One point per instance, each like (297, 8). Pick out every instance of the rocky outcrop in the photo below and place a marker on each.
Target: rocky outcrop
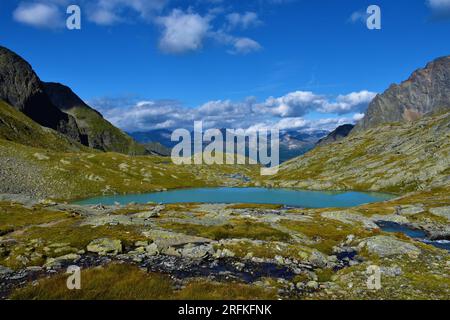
(338, 134)
(385, 246)
(426, 91)
(21, 88)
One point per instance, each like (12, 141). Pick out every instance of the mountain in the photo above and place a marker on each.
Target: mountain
(390, 158)
(336, 135)
(296, 143)
(96, 132)
(405, 144)
(21, 88)
(426, 91)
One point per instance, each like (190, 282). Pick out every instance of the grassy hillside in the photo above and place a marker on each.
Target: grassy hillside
(44, 173)
(102, 134)
(392, 158)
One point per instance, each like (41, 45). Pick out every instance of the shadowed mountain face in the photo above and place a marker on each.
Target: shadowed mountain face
(426, 91)
(338, 134)
(21, 88)
(97, 132)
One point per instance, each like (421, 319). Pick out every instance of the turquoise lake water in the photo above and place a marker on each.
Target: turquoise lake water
(287, 197)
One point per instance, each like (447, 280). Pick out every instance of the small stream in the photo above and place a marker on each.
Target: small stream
(420, 235)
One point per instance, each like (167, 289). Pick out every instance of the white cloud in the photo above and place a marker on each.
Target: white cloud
(245, 46)
(183, 32)
(38, 15)
(353, 102)
(440, 8)
(244, 20)
(286, 112)
(358, 16)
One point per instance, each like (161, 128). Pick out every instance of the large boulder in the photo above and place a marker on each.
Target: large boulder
(385, 246)
(441, 212)
(105, 246)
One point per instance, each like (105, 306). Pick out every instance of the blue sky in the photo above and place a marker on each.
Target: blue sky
(164, 63)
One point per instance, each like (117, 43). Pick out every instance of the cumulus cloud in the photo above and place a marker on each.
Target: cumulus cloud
(285, 112)
(244, 20)
(183, 32)
(38, 15)
(440, 8)
(353, 102)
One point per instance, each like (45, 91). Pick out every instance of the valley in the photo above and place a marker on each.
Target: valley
(219, 250)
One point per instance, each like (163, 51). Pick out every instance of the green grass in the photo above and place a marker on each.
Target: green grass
(327, 233)
(126, 282)
(14, 217)
(235, 229)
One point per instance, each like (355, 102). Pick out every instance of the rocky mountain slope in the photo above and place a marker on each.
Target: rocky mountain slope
(426, 91)
(391, 157)
(96, 131)
(21, 88)
(336, 135)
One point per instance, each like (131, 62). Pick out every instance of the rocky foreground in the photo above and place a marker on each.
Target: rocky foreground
(223, 251)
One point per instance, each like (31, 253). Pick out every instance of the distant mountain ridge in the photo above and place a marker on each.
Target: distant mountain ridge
(426, 91)
(292, 143)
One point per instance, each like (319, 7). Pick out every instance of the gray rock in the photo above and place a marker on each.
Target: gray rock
(318, 259)
(385, 246)
(197, 252)
(4, 271)
(442, 212)
(55, 262)
(105, 246)
(313, 285)
(152, 250)
(154, 213)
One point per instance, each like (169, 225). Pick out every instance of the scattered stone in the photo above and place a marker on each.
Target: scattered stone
(154, 213)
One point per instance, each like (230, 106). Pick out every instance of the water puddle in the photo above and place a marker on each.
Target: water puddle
(413, 233)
